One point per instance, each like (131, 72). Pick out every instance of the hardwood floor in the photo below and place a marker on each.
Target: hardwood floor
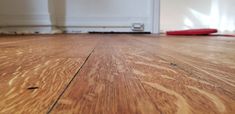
(117, 74)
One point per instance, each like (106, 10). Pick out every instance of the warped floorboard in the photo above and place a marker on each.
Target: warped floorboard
(117, 74)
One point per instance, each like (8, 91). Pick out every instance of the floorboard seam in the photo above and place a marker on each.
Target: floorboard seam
(54, 104)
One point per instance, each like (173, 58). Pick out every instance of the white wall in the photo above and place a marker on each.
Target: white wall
(185, 14)
(100, 13)
(103, 13)
(24, 12)
(175, 14)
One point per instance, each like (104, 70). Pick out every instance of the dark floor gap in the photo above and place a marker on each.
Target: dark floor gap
(119, 32)
(70, 82)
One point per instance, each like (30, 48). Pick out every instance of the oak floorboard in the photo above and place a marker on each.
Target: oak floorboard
(34, 70)
(124, 74)
(106, 85)
(204, 71)
(175, 74)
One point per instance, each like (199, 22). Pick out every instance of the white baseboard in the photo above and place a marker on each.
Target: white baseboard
(40, 24)
(96, 29)
(50, 30)
(28, 30)
(101, 24)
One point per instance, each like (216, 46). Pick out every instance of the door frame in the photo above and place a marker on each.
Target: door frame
(155, 16)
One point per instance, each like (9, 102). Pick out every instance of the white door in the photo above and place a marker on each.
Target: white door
(106, 15)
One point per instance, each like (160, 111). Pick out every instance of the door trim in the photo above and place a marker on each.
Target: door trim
(155, 16)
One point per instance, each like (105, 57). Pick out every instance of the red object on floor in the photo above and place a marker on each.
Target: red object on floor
(193, 32)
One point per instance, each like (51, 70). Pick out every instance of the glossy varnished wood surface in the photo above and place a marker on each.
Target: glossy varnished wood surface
(117, 74)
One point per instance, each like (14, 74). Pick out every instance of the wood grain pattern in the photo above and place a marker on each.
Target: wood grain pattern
(35, 70)
(153, 64)
(125, 74)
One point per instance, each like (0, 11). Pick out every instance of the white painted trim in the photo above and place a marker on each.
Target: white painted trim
(94, 29)
(23, 23)
(155, 16)
(104, 23)
(26, 30)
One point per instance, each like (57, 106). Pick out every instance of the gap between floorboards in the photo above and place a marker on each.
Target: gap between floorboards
(54, 104)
